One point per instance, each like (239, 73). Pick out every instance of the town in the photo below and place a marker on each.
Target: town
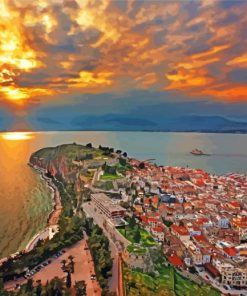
(200, 220)
(167, 230)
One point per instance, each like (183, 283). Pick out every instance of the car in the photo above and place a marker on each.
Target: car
(92, 277)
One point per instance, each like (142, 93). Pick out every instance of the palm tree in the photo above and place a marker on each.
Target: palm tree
(56, 287)
(72, 263)
(81, 288)
(68, 280)
(64, 264)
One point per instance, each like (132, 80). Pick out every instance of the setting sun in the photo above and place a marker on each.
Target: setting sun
(17, 136)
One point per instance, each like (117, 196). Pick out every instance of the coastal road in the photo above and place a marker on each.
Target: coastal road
(99, 220)
(40, 236)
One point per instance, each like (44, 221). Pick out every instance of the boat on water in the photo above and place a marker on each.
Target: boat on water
(198, 152)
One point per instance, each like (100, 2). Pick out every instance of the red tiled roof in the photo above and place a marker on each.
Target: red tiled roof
(235, 204)
(212, 269)
(179, 229)
(201, 221)
(230, 251)
(200, 182)
(143, 218)
(155, 199)
(175, 260)
(152, 219)
(146, 201)
(157, 229)
(200, 238)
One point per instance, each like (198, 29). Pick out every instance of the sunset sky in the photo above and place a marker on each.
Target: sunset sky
(68, 64)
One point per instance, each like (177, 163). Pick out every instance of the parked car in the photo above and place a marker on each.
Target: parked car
(45, 263)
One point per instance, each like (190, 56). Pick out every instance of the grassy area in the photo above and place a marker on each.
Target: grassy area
(137, 249)
(185, 287)
(70, 151)
(168, 282)
(146, 239)
(110, 177)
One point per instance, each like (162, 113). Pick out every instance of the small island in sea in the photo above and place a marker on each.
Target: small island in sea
(122, 226)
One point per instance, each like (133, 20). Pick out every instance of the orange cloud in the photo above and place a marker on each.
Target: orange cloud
(228, 93)
(58, 47)
(92, 80)
(240, 61)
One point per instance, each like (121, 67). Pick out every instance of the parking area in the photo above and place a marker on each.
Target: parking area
(83, 269)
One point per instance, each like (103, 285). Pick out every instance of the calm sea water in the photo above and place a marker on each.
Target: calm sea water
(25, 200)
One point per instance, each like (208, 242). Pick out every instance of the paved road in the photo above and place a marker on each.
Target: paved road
(43, 235)
(99, 219)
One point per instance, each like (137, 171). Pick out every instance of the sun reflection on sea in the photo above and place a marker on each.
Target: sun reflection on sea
(17, 136)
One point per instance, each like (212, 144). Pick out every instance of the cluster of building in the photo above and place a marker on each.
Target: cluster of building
(200, 219)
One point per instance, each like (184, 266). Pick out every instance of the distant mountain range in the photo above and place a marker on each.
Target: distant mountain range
(166, 123)
(122, 122)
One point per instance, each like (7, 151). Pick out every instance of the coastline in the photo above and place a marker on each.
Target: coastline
(52, 221)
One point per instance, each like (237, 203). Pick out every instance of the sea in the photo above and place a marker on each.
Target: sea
(25, 200)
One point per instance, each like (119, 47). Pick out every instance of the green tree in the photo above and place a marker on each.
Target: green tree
(132, 221)
(1, 284)
(81, 288)
(137, 236)
(122, 161)
(39, 289)
(142, 165)
(55, 287)
(29, 285)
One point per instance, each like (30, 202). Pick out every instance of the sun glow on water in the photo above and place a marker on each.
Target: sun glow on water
(17, 136)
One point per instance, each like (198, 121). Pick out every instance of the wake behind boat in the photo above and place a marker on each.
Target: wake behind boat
(198, 152)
